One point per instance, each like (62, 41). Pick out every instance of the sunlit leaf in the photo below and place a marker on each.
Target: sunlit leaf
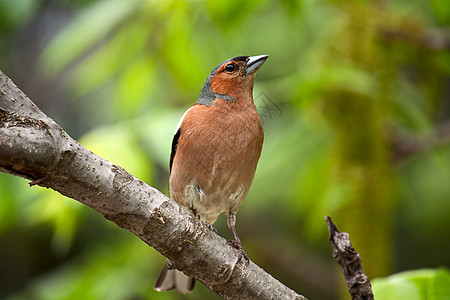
(420, 285)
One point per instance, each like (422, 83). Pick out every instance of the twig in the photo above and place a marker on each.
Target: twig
(350, 263)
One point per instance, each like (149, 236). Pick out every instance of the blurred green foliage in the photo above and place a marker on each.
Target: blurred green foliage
(351, 100)
(414, 285)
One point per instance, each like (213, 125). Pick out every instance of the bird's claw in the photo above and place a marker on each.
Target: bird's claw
(241, 253)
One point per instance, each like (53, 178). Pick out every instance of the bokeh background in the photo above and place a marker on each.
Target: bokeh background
(355, 103)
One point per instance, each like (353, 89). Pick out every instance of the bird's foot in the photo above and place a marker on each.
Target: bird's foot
(241, 253)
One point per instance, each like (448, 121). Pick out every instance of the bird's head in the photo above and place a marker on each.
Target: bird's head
(231, 79)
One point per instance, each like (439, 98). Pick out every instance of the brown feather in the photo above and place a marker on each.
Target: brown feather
(218, 150)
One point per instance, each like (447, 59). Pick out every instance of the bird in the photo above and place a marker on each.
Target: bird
(215, 151)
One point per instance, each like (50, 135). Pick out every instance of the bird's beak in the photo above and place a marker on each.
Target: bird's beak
(254, 62)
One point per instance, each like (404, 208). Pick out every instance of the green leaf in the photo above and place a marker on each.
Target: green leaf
(420, 284)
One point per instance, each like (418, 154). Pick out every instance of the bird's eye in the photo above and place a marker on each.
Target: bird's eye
(230, 68)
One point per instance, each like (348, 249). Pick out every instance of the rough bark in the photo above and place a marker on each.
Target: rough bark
(350, 263)
(33, 146)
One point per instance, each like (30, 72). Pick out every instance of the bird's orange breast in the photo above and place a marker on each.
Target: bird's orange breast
(215, 162)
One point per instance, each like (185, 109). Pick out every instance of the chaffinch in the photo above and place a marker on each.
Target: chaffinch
(215, 150)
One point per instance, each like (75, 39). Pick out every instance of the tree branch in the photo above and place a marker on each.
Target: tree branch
(350, 263)
(33, 146)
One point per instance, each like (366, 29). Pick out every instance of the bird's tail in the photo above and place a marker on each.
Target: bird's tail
(174, 279)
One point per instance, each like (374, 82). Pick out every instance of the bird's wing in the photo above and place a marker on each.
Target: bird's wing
(175, 139)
